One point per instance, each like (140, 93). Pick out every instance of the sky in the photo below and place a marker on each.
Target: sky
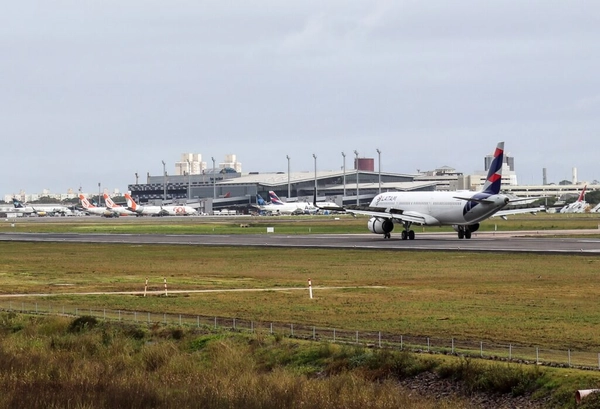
(93, 91)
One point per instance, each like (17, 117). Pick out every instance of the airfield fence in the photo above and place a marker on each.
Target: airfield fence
(488, 349)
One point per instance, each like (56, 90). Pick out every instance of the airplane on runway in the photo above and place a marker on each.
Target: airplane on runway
(41, 209)
(171, 210)
(463, 210)
(118, 209)
(90, 208)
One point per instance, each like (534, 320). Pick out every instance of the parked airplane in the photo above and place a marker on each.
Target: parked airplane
(577, 206)
(90, 208)
(277, 207)
(462, 210)
(117, 209)
(174, 210)
(41, 209)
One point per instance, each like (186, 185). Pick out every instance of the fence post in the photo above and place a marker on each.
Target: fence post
(198, 321)
(357, 337)
(215, 322)
(234, 323)
(427, 344)
(537, 355)
(292, 330)
(180, 320)
(271, 328)
(334, 341)
(510, 352)
(569, 353)
(75, 311)
(481, 348)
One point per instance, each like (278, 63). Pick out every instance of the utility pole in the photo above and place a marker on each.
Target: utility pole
(289, 185)
(356, 166)
(164, 181)
(214, 179)
(344, 168)
(315, 156)
(379, 163)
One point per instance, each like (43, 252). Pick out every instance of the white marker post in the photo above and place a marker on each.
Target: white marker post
(165, 286)
(310, 288)
(146, 287)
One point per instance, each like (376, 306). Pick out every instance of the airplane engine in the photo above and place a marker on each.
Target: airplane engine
(380, 226)
(471, 227)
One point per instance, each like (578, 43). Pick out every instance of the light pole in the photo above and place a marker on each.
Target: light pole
(214, 179)
(356, 166)
(189, 176)
(379, 163)
(99, 200)
(344, 168)
(315, 156)
(136, 178)
(164, 182)
(289, 186)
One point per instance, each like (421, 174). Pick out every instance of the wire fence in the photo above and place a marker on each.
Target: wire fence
(528, 354)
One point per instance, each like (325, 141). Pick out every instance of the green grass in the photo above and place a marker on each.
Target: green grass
(542, 300)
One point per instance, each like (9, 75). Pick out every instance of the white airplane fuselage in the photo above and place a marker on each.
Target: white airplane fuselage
(442, 208)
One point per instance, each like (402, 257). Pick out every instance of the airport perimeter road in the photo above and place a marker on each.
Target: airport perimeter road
(494, 242)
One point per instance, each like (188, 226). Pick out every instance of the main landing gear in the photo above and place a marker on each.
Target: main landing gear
(408, 234)
(464, 233)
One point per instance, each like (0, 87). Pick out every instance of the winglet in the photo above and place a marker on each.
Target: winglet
(494, 176)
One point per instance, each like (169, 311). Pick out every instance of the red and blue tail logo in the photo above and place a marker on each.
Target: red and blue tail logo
(494, 176)
(274, 198)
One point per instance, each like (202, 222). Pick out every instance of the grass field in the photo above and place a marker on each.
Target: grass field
(548, 301)
(544, 300)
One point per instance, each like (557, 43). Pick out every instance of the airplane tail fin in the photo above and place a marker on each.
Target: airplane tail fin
(84, 202)
(259, 200)
(494, 176)
(109, 202)
(274, 198)
(130, 202)
(17, 203)
(582, 194)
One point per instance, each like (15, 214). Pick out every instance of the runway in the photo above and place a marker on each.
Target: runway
(533, 242)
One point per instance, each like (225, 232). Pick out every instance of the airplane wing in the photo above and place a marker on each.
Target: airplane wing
(532, 210)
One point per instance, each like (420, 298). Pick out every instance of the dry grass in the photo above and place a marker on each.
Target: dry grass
(51, 363)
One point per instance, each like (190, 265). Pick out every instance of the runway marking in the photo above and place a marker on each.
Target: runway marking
(161, 292)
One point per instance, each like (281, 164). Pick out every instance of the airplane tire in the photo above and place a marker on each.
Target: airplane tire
(461, 234)
(467, 234)
(411, 235)
(404, 235)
